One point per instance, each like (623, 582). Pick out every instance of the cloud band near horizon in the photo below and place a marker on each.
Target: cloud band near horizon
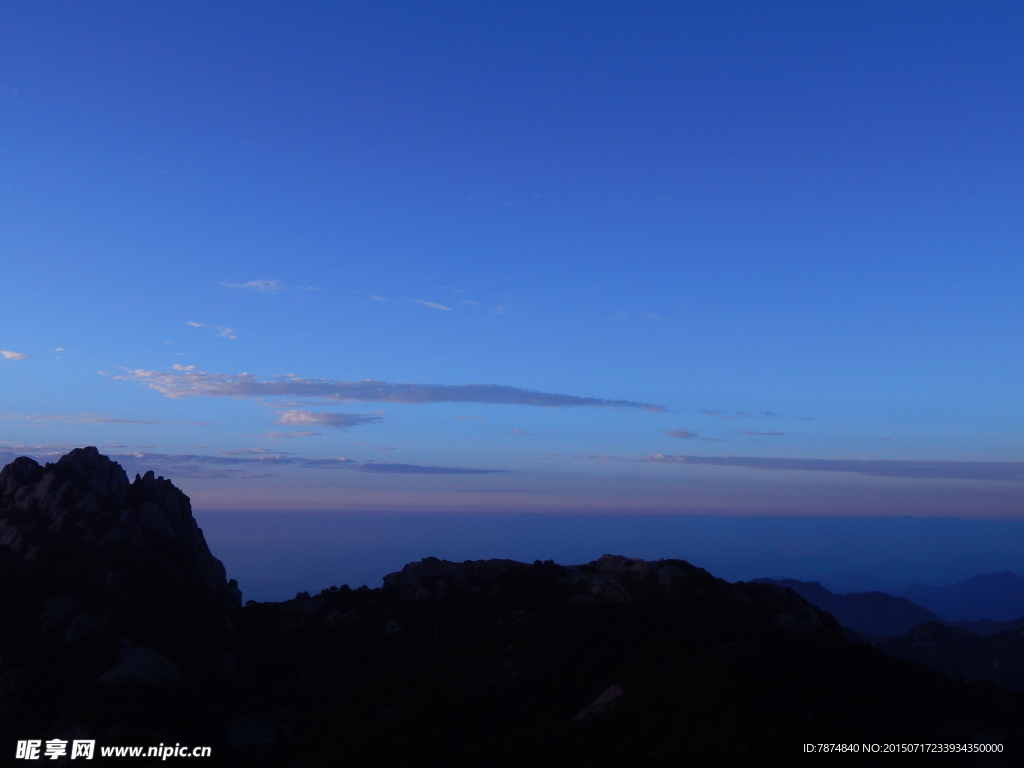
(902, 468)
(245, 385)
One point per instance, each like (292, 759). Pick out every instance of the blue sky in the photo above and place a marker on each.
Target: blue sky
(756, 258)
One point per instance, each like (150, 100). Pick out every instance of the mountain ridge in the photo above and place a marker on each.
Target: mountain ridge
(119, 626)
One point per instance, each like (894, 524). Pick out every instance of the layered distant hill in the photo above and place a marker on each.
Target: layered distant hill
(991, 596)
(869, 613)
(985, 604)
(968, 650)
(118, 624)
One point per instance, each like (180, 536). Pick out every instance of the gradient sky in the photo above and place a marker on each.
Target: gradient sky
(737, 257)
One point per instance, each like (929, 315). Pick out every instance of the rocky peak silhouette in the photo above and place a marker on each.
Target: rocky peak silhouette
(84, 500)
(112, 607)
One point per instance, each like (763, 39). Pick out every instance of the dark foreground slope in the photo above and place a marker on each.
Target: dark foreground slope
(962, 654)
(497, 663)
(118, 625)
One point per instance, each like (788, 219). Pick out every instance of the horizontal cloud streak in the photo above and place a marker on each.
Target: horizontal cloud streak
(685, 434)
(682, 434)
(200, 384)
(222, 330)
(262, 286)
(416, 469)
(903, 468)
(431, 304)
(242, 463)
(94, 418)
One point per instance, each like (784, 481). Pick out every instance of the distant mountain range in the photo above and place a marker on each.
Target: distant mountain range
(869, 613)
(118, 625)
(991, 596)
(984, 604)
(968, 650)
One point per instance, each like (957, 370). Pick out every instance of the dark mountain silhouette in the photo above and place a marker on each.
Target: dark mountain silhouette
(993, 596)
(869, 613)
(116, 623)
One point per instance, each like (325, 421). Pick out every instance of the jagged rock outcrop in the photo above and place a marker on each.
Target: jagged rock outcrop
(609, 579)
(434, 579)
(113, 611)
(85, 499)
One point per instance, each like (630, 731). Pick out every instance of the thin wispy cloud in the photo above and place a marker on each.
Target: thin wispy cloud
(252, 452)
(685, 434)
(682, 434)
(618, 315)
(721, 413)
(242, 464)
(11, 449)
(376, 447)
(417, 469)
(717, 413)
(179, 384)
(259, 286)
(95, 418)
(762, 434)
(222, 330)
(431, 304)
(901, 468)
(487, 490)
(303, 418)
(7, 354)
(164, 462)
